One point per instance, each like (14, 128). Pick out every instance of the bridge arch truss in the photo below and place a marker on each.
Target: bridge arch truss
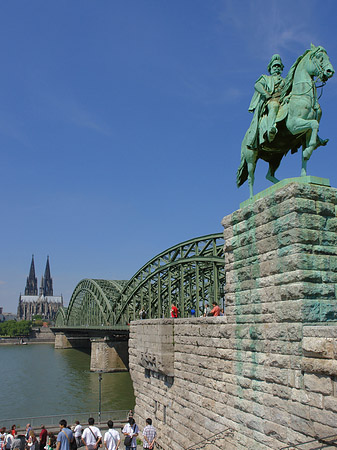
(189, 275)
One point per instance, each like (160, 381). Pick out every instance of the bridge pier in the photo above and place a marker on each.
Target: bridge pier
(108, 355)
(67, 341)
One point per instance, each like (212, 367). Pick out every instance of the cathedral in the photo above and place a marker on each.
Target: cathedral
(42, 302)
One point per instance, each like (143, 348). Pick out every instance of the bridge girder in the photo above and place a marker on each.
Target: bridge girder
(189, 274)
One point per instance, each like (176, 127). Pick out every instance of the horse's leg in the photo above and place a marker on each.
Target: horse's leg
(304, 164)
(297, 126)
(273, 166)
(251, 158)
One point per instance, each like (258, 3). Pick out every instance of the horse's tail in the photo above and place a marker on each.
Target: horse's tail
(242, 173)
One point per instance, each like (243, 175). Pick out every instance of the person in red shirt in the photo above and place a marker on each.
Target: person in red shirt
(174, 311)
(216, 310)
(43, 437)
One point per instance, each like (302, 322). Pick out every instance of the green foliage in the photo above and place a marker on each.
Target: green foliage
(37, 317)
(38, 323)
(12, 328)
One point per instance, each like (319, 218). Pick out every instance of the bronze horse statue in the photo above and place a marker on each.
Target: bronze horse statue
(297, 119)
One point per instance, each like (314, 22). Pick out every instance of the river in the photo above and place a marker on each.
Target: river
(38, 380)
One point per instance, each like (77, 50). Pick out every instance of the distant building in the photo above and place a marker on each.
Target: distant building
(6, 316)
(43, 303)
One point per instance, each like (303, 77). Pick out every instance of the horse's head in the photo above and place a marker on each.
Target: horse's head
(322, 66)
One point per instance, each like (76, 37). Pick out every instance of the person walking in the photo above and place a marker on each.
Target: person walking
(65, 436)
(19, 442)
(149, 435)
(216, 310)
(174, 311)
(78, 433)
(32, 441)
(92, 436)
(28, 428)
(130, 430)
(112, 439)
(9, 441)
(207, 310)
(43, 437)
(2, 438)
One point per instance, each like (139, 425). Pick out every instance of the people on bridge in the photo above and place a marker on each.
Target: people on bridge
(131, 429)
(216, 310)
(112, 438)
(207, 310)
(174, 311)
(78, 433)
(65, 437)
(92, 436)
(142, 314)
(13, 430)
(149, 435)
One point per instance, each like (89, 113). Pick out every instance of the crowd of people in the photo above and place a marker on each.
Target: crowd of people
(215, 311)
(77, 436)
(13, 440)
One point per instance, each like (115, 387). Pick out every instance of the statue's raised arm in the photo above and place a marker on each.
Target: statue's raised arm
(286, 114)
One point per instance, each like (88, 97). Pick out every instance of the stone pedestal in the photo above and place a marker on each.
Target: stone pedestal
(281, 257)
(109, 356)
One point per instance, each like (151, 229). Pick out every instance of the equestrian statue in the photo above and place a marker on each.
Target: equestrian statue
(286, 114)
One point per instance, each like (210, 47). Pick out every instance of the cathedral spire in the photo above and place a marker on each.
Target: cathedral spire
(47, 281)
(31, 285)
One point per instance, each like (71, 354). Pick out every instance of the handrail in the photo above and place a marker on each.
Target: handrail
(210, 439)
(324, 441)
(53, 420)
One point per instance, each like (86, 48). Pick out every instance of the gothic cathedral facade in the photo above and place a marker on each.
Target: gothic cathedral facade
(39, 302)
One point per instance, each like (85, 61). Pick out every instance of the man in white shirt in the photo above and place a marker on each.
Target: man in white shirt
(92, 436)
(131, 429)
(77, 433)
(112, 439)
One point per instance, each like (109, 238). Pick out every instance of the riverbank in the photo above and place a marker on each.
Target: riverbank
(42, 335)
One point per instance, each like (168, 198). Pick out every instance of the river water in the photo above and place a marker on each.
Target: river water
(38, 380)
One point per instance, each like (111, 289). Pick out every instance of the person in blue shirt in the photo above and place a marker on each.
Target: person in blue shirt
(65, 436)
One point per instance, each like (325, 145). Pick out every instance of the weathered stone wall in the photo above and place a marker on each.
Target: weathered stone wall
(267, 370)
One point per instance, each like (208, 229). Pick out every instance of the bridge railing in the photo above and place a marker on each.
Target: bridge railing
(118, 416)
(315, 444)
(211, 439)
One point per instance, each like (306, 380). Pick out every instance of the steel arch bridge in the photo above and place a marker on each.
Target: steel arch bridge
(189, 275)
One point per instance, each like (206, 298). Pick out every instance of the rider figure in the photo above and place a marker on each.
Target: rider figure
(266, 98)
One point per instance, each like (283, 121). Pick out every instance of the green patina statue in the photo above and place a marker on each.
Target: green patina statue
(286, 114)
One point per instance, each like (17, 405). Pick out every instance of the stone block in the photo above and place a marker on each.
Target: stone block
(318, 383)
(318, 347)
(324, 367)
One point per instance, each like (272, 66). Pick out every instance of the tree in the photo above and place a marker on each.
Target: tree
(11, 328)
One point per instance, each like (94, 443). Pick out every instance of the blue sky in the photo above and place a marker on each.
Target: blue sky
(121, 124)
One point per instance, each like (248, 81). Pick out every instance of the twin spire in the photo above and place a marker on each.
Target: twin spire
(46, 288)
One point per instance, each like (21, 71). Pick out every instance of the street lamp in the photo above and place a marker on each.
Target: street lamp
(99, 396)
